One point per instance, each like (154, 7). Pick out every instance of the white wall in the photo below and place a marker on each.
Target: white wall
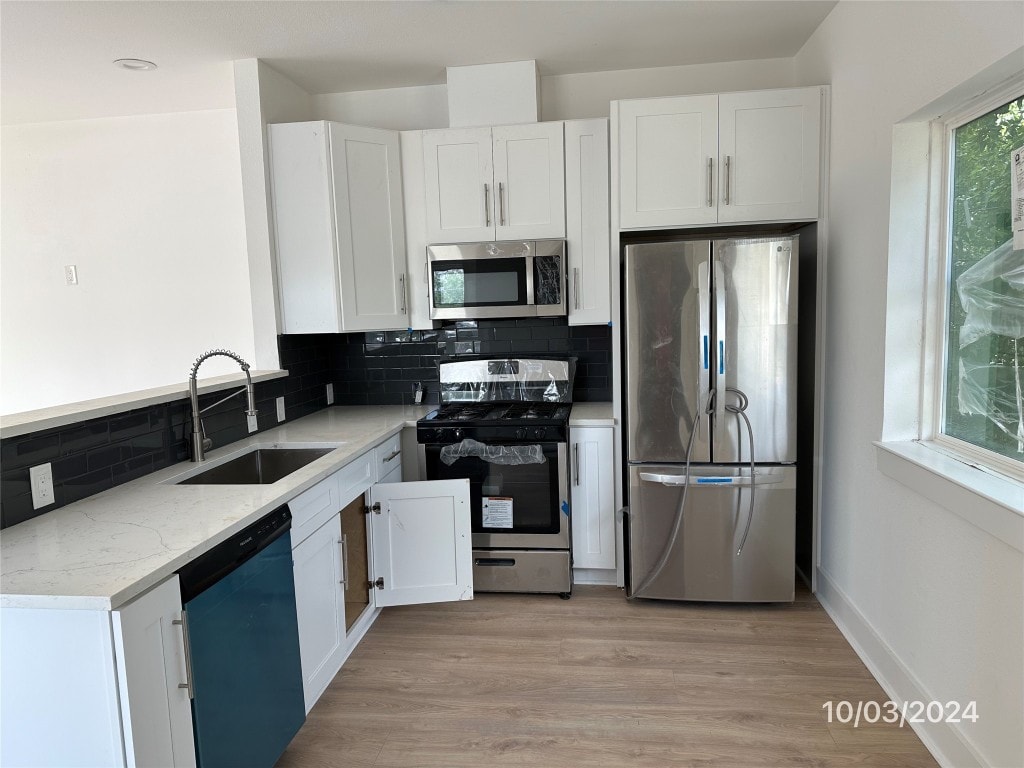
(940, 600)
(149, 209)
(563, 97)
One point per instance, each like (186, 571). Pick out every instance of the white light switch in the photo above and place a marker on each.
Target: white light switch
(330, 394)
(280, 409)
(70, 274)
(41, 478)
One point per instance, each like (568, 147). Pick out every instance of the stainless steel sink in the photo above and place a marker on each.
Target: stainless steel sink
(258, 467)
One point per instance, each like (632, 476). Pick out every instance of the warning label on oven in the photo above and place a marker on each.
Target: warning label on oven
(497, 511)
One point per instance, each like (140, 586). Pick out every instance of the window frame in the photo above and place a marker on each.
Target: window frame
(942, 134)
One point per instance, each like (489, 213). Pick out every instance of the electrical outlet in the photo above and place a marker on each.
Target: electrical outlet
(280, 409)
(417, 392)
(330, 394)
(41, 479)
(70, 274)
(253, 422)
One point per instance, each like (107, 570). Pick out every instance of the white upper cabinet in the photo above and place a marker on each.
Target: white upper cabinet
(339, 227)
(529, 174)
(587, 225)
(668, 149)
(769, 145)
(413, 196)
(504, 183)
(735, 157)
(420, 540)
(459, 181)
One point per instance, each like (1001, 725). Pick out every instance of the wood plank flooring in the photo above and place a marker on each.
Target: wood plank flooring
(527, 680)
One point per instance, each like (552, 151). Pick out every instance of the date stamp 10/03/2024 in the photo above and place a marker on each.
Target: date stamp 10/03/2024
(869, 712)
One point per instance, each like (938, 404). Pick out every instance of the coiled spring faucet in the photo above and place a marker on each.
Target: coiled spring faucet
(200, 442)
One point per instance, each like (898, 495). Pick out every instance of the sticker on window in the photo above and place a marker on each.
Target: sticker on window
(497, 511)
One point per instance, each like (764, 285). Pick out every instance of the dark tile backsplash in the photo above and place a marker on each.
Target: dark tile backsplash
(376, 368)
(380, 368)
(91, 456)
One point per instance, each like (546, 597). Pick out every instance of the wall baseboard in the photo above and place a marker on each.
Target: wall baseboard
(946, 743)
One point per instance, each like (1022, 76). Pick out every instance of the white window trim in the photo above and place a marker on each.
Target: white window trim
(978, 485)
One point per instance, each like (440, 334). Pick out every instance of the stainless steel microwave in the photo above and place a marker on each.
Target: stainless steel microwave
(522, 278)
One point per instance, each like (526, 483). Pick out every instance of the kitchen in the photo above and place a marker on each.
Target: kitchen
(895, 567)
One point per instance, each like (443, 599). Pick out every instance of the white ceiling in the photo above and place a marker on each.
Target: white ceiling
(55, 57)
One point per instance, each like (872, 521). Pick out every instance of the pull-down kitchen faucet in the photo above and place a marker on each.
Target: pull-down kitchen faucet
(200, 442)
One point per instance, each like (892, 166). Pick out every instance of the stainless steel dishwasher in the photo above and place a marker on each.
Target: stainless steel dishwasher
(242, 646)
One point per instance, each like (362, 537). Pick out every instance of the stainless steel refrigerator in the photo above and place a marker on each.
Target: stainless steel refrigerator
(710, 383)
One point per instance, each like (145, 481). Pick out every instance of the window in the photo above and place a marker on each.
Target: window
(982, 403)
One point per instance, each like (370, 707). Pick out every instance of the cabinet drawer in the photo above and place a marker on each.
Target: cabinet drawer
(355, 478)
(312, 508)
(388, 455)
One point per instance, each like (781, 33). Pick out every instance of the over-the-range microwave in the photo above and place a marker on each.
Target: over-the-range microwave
(521, 278)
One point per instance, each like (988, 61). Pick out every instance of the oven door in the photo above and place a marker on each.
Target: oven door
(527, 505)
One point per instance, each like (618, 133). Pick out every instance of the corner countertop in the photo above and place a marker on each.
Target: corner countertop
(103, 551)
(591, 415)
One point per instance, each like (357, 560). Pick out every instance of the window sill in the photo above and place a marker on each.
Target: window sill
(15, 424)
(993, 503)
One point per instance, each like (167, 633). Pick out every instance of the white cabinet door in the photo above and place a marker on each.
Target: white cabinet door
(339, 227)
(320, 607)
(667, 153)
(413, 197)
(420, 539)
(593, 497)
(529, 181)
(459, 194)
(307, 264)
(369, 227)
(769, 145)
(587, 225)
(156, 713)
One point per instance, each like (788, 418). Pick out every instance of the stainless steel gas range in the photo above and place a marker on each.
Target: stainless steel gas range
(503, 424)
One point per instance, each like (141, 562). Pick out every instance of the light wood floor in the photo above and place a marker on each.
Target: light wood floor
(598, 681)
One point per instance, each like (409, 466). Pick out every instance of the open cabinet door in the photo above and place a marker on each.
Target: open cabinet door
(421, 543)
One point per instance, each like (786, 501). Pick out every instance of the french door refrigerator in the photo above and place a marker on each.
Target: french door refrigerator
(710, 383)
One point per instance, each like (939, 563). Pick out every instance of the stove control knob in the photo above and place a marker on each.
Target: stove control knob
(538, 433)
(456, 434)
(440, 434)
(521, 433)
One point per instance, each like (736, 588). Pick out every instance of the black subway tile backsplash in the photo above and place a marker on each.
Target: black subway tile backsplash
(376, 368)
(93, 455)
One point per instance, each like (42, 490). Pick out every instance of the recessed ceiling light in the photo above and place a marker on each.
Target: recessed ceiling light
(136, 65)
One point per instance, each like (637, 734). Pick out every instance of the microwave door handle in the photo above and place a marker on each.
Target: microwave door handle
(530, 297)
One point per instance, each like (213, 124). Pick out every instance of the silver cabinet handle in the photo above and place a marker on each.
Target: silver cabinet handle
(711, 183)
(187, 648)
(405, 298)
(344, 559)
(392, 455)
(576, 286)
(576, 463)
(487, 205)
(501, 201)
(726, 182)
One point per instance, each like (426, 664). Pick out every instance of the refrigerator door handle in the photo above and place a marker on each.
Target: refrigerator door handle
(727, 480)
(720, 338)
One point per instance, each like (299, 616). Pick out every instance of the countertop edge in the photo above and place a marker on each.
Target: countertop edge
(289, 491)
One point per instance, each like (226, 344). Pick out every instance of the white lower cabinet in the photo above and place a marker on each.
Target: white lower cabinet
(593, 501)
(320, 607)
(400, 544)
(97, 688)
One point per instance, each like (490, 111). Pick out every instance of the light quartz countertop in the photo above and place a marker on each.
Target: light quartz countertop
(103, 551)
(591, 415)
